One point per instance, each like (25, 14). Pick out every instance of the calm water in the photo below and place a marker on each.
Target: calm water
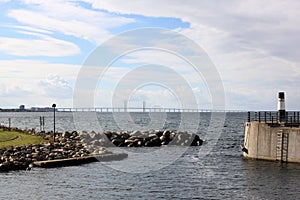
(155, 173)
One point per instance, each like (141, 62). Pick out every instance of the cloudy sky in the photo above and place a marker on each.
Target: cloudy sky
(253, 46)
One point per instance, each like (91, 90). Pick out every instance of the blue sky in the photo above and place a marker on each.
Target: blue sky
(253, 45)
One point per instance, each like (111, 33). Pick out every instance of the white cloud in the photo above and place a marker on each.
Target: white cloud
(45, 46)
(255, 24)
(56, 87)
(254, 44)
(13, 96)
(14, 91)
(159, 57)
(31, 70)
(68, 18)
(27, 76)
(30, 29)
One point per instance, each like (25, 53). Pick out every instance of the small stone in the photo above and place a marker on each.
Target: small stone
(34, 155)
(6, 153)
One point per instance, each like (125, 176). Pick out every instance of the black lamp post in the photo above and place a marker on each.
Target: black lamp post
(53, 106)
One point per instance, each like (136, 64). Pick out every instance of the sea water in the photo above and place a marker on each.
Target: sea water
(215, 170)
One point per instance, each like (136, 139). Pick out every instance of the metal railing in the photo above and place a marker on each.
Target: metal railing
(292, 118)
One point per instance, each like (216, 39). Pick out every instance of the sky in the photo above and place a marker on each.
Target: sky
(231, 54)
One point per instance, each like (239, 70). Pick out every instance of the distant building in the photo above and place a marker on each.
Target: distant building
(43, 109)
(22, 107)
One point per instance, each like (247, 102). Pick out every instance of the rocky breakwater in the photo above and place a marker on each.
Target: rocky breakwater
(93, 141)
(82, 144)
(67, 145)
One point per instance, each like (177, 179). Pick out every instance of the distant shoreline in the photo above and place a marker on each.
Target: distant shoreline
(27, 110)
(117, 111)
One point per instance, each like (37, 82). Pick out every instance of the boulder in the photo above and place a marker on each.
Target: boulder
(196, 140)
(118, 142)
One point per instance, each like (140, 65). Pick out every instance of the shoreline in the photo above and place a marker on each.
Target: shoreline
(66, 151)
(75, 148)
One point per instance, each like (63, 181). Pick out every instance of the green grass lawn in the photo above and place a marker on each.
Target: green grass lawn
(12, 138)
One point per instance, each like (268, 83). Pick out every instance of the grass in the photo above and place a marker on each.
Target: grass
(12, 138)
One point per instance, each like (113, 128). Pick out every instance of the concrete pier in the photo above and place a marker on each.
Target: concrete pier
(270, 141)
(80, 160)
(273, 135)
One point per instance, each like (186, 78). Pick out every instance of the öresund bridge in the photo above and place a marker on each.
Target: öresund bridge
(141, 109)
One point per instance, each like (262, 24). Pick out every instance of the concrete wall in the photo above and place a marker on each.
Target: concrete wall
(294, 146)
(261, 141)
